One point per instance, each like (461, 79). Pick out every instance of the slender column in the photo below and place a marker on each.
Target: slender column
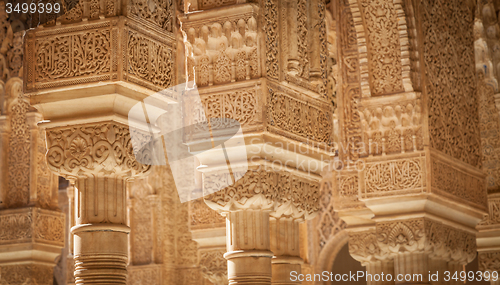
(285, 245)
(293, 60)
(92, 155)
(101, 241)
(248, 247)
(377, 272)
(410, 266)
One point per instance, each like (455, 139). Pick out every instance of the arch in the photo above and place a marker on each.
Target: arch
(329, 252)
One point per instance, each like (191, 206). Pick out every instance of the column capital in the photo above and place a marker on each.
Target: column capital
(282, 193)
(98, 149)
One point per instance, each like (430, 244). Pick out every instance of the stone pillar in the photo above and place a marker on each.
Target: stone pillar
(285, 245)
(95, 157)
(397, 171)
(248, 247)
(112, 57)
(32, 225)
(241, 67)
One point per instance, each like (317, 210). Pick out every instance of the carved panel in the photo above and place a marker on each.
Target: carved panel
(32, 225)
(384, 52)
(271, 28)
(299, 119)
(158, 12)
(16, 227)
(149, 60)
(394, 177)
(241, 105)
(213, 266)
(92, 148)
(208, 4)
(26, 274)
(78, 54)
(489, 261)
(392, 128)
(453, 181)
(351, 90)
(82, 54)
(138, 275)
(451, 83)
(200, 215)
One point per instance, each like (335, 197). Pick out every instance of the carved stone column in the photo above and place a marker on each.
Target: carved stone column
(364, 248)
(285, 245)
(110, 58)
(32, 234)
(99, 158)
(238, 57)
(400, 170)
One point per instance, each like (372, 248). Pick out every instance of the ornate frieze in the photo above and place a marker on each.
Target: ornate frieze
(436, 239)
(74, 55)
(401, 176)
(224, 49)
(298, 117)
(29, 225)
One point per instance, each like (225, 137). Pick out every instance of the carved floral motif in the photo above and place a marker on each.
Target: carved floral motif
(277, 190)
(213, 266)
(158, 12)
(450, 83)
(92, 148)
(383, 46)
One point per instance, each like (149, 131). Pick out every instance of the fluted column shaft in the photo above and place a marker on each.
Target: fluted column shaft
(248, 247)
(285, 245)
(100, 233)
(411, 267)
(377, 272)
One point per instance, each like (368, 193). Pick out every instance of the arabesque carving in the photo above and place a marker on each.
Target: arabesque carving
(453, 94)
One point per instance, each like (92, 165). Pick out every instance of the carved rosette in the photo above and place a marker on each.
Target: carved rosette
(279, 192)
